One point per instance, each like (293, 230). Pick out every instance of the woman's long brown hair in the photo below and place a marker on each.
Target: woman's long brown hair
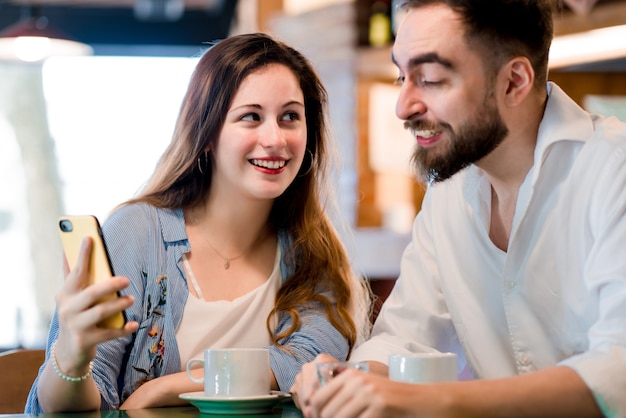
(316, 259)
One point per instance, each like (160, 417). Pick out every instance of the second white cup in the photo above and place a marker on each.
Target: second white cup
(327, 371)
(234, 372)
(423, 367)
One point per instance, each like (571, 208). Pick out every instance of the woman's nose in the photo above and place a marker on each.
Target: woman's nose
(272, 135)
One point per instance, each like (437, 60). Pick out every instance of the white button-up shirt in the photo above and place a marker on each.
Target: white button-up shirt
(558, 296)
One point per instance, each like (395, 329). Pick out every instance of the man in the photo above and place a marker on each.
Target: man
(518, 256)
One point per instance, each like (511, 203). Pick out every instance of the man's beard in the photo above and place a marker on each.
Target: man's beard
(475, 139)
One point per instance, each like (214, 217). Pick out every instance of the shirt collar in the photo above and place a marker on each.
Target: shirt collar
(172, 224)
(563, 120)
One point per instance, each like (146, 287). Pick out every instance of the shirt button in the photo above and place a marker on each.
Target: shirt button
(512, 284)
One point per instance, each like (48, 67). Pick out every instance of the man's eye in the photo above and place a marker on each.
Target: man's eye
(427, 82)
(399, 80)
(251, 117)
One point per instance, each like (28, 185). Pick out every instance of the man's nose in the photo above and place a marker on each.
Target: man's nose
(410, 102)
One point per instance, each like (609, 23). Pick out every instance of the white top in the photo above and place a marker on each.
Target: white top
(558, 296)
(240, 323)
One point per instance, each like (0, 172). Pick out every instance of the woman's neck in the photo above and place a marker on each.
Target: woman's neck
(232, 228)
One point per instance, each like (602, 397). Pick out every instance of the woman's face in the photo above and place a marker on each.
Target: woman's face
(262, 143)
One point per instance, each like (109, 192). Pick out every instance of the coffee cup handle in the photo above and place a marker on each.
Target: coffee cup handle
(191, 376)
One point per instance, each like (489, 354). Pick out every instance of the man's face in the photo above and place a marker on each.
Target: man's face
(480, 134)
(446, 98)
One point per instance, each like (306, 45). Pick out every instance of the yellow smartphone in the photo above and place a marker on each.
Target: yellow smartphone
(72, 230)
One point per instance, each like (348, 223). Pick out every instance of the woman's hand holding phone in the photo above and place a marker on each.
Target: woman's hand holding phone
(65, 384)
(83, 304)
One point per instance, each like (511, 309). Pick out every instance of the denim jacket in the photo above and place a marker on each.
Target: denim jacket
(146, 245)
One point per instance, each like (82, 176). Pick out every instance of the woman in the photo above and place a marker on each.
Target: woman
(228, 245)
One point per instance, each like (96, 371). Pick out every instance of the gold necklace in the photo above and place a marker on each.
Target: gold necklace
(227, 260)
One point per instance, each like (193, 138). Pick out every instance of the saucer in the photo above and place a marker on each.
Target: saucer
(227, 405)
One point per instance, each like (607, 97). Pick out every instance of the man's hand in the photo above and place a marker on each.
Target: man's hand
(357, 394)
(306, 382)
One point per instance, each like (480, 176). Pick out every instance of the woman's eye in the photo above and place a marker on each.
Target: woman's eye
(251, 117)
(291, 116)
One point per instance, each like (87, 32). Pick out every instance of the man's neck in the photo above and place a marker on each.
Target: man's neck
(506, 169)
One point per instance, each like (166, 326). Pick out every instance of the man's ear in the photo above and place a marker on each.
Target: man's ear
(518, 77)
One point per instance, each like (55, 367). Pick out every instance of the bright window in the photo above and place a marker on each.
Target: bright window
(110, 119)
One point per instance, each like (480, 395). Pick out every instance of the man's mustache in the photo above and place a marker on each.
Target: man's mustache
(423, 125)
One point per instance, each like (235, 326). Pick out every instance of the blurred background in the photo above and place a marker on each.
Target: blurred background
(89, 103)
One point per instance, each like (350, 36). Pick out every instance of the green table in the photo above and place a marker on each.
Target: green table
(284, 409)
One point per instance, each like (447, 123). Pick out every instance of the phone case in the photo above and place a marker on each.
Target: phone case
(72, 230)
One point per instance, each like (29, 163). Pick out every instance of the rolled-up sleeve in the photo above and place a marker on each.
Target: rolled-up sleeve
(603, 365)
(316, 335)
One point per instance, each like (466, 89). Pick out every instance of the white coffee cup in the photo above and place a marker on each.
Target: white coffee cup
(234, 372)
(423, 367)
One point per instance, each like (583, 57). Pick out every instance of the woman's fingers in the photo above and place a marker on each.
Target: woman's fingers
(83, 311)
(80, 300)
(105, 307)
(78, 277)
(81, 306)
(80, 334)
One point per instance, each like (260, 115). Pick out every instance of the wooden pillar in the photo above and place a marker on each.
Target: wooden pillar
(266, 10)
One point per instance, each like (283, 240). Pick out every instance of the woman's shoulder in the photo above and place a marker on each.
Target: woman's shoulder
(135, 215)
(141, 218)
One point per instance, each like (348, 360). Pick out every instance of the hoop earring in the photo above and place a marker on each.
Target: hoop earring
(306, 173)
(205, 163)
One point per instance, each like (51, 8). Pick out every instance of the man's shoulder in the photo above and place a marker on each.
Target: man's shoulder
(608, 140)
(612, 130)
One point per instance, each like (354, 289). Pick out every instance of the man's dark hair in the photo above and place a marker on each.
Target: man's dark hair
(502, 29)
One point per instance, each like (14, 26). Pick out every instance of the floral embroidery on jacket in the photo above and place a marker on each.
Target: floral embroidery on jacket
(154, 312)
(162, 282)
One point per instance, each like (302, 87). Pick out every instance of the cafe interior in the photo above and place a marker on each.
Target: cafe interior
(117, 78)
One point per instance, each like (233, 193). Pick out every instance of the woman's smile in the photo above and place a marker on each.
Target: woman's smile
(269, 166)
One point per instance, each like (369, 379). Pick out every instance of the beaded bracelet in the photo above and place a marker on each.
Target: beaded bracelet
(62, 375)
